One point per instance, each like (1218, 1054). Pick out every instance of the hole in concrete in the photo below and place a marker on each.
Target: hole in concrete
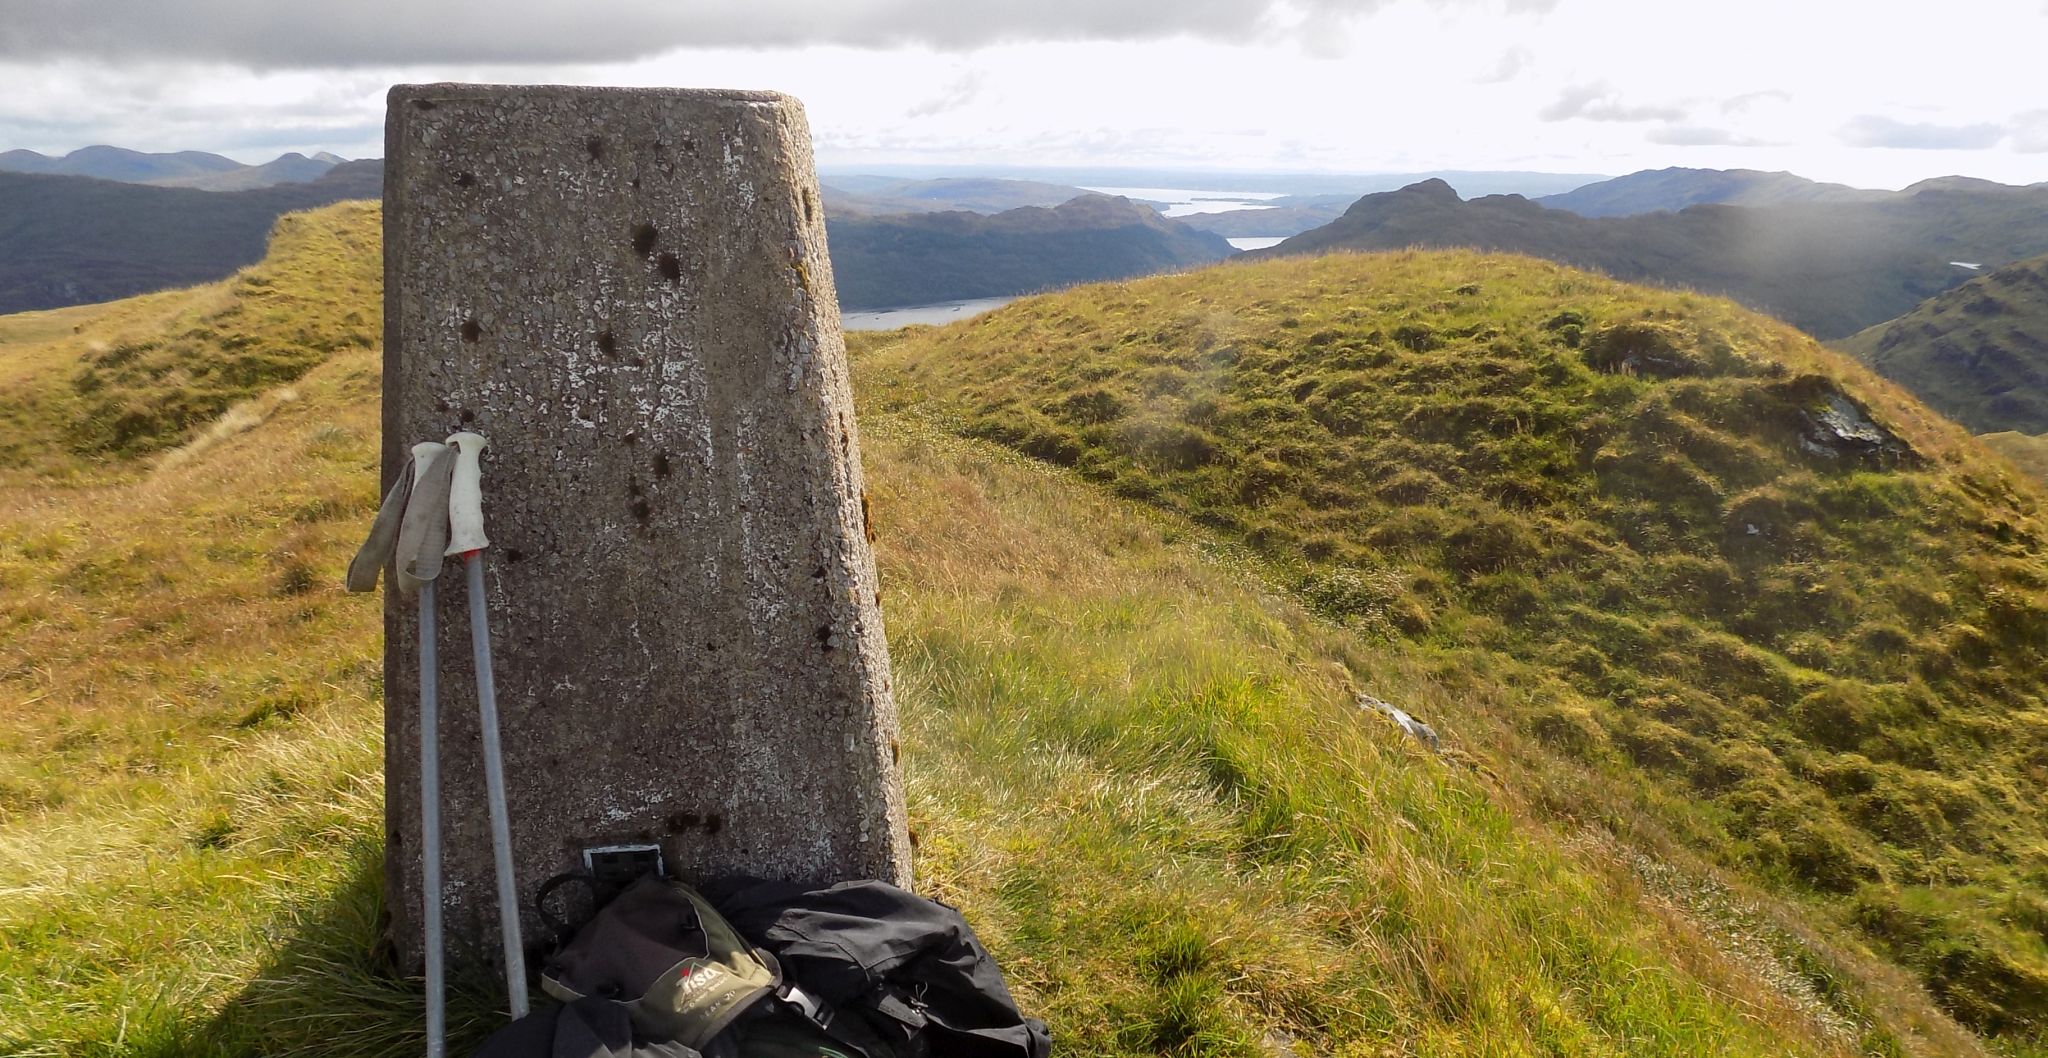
(824, 634)
(468, 416)
(634, 183)
(514, 555)
(606, 343)
(671, 267)
(661, 467)
(465, 179)
(471, 331)
(641, 511)
(818, 574)
(644, 236)
(423, 104)
(595, 145)
(689, 144)
(713, 823)
(810, 211)
(631, 436)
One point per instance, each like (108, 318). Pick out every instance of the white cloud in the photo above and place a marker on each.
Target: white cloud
(1599, 102)
(1702, 136)
(1507, 67)
(1870, 130)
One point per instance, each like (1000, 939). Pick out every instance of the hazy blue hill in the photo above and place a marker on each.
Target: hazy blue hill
(1278, 220)
(68, 240)
(118, 163)
(1978, 354)
(1676, 188)
(293, 168)
(1829, 268)
(198, 169)
(920, 258)
(973, 194)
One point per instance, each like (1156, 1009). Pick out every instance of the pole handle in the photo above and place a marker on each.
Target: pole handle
(466, 495)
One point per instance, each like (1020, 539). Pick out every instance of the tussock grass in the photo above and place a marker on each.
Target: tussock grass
(1823, 670)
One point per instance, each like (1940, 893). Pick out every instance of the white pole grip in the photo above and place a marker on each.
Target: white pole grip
(466, 495)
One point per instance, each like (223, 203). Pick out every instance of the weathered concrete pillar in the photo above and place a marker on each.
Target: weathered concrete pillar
(627, 292)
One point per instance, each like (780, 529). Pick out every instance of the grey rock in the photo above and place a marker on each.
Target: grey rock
(1839, 429)
(1420, 731)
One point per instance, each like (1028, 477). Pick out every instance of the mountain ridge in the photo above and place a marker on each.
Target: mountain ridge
(1830, 268)
(199, 169)
(1977, 353)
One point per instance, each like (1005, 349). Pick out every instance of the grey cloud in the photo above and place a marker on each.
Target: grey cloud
(1870, 130)
(1749, 99)
(1701, 136)
(1597, 102)
(278, 34)
(1510, 63)
(2030, 132)
(961, 92)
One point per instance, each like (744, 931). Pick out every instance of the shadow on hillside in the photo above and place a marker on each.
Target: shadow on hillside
(329, 988)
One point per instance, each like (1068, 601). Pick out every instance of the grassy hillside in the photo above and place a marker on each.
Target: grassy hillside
(1814, 659)
(1978, 353)
(70, 240)
(1829, 268)
(1133, 762)
(2029, 452)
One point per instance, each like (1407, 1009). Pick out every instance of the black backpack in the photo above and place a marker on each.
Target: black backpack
(855, 970)
(885, 971)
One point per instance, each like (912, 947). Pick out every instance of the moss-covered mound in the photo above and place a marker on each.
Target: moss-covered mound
(1793, 610)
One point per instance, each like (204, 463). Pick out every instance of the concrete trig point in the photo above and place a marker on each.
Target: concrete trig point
(627, 291)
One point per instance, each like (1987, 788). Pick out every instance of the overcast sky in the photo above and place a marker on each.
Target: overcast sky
(1872, 93)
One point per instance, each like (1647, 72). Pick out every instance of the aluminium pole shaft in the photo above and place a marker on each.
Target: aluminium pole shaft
(430, 828)
(494, 784)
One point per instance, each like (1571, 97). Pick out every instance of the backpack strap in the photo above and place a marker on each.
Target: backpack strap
(852, 1030)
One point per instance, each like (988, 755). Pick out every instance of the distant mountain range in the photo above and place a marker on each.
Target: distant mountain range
(921, 258)
(1654, 190)
(195, 169)
(66, 240)
(1829, 267)
(879, 196)
(1978, 354)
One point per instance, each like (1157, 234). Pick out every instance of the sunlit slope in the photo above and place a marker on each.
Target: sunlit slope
(1136, 767)
(2029, 452)
(1977, 353)
(1783, 609)
(85, 385)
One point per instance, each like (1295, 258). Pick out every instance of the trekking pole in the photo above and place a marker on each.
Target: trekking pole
(422, 537)
(430, 830)
(466, 538)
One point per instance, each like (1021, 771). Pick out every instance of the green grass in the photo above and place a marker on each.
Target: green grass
(1825, 672)
(1977, 353)
(1134, 761)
